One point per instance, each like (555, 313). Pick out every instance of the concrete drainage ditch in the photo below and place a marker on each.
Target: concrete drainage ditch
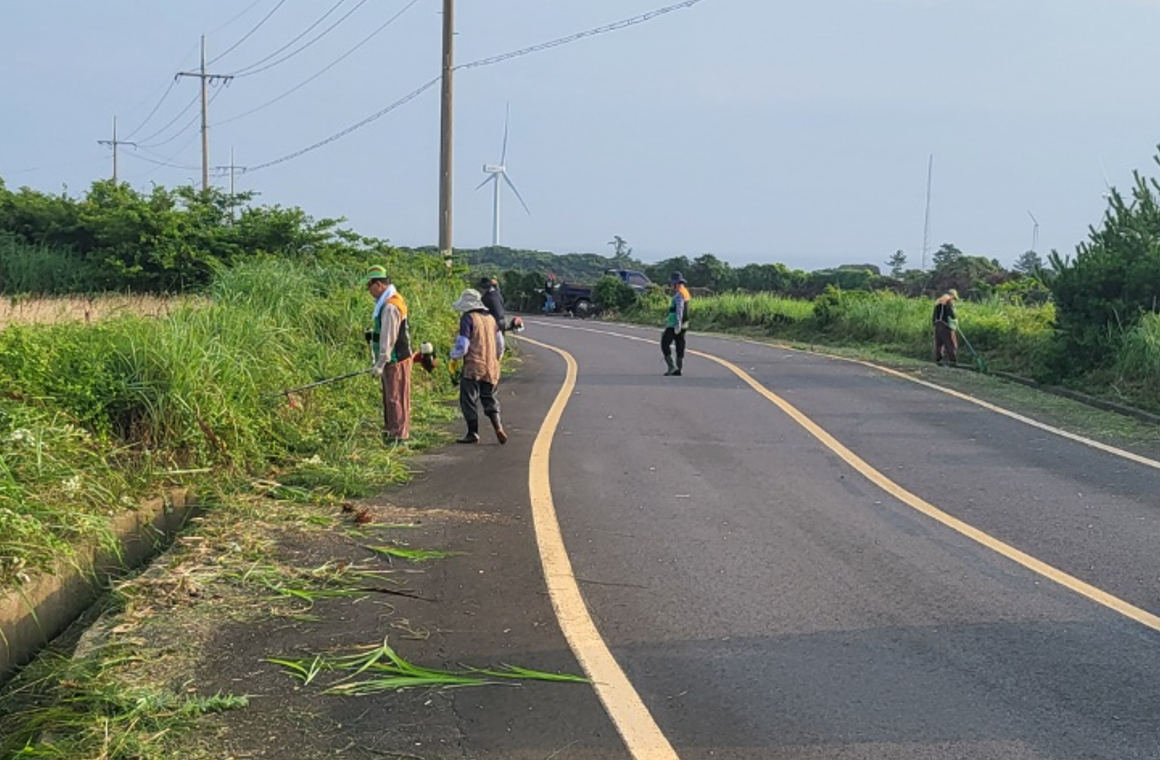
(32, 615)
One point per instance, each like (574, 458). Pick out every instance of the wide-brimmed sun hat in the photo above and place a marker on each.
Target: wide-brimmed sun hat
(677, 277)
(469, 300)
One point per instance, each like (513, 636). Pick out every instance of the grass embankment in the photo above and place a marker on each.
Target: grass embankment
(93, 417)
(1010, 337)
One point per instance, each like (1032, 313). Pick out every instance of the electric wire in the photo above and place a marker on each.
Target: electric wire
(338, 135)
(615, 26)
(188, 124)
(168, 89)
(246, 10)
(475, 64)
(174, 120)
(331, 65)
(246, 36)
(145, 121)
(246, 71)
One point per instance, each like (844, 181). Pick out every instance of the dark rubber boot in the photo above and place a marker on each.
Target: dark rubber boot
(680, 365)
(672, 368)
(500, 435)
(472, 435)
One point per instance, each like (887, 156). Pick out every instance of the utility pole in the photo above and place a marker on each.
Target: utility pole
(445, 132)
(232, 169)
(115, 142)
(926, 216)
(204, 77)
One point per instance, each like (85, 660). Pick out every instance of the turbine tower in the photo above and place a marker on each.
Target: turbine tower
(496, 172)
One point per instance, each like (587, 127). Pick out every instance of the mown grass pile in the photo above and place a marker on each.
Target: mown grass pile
(94, 417)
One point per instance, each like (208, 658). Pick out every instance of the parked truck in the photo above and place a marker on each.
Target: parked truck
(577, 300)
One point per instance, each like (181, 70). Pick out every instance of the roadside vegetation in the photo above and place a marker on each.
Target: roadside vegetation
(1088, 321)
(151, 342)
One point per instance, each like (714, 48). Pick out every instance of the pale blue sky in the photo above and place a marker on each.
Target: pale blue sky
(753, 129)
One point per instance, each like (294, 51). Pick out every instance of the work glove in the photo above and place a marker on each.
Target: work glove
(455, 368)
(677, 330)
(377, 370)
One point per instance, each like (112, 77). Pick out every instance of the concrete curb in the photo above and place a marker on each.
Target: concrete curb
(33, 614)
(1083, 398)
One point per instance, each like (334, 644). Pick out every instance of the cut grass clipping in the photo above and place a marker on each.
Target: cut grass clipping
(382, 669)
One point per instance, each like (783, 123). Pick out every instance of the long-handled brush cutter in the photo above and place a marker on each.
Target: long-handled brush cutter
(980, 362)
(327, 381)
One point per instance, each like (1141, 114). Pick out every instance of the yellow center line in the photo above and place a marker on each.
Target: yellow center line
(1037, 566)
(626, 709)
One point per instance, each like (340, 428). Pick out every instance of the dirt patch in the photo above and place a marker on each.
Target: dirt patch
(88, 309)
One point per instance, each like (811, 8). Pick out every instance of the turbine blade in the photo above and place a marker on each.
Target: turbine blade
(506, 115)
(517, 192)
(1104, 171)
(491, 178)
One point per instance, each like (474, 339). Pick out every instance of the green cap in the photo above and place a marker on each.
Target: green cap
(377, 272)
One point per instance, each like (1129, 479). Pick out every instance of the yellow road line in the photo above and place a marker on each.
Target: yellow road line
(625, 707)
(1039, 567)
(1107, 448)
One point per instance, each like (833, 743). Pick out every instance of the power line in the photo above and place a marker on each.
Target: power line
(188, 124)
(246, 36)
(330, 66)
(245, 10)
(160, 102)
(172, 121)
(581, 35)
(338, 135)
(474, 64)
(245, 71)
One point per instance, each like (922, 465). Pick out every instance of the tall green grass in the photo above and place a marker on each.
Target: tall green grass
(121, 407)
(1014, 337)
(26, 268)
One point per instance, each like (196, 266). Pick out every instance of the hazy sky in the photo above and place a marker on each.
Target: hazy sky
(757, 130)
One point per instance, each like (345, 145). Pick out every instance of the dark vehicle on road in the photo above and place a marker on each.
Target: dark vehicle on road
(577, 301)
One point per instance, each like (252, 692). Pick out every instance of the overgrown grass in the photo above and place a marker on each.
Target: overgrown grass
(93, 417)
(1013, 336)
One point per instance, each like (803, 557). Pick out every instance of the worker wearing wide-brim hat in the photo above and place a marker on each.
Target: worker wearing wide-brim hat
(676, 325)
(390, 341)
(479, 346)
(946, 339)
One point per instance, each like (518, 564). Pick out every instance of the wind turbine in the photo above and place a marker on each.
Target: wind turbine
(1034, 232)
(1107, 194)
(495, 172)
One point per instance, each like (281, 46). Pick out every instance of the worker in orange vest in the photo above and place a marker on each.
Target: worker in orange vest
(390, 341)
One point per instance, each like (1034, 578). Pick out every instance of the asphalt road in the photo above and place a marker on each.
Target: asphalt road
(767, 600)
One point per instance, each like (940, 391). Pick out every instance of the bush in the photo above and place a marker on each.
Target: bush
(614, 294)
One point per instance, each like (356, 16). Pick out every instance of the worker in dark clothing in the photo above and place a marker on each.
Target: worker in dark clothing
(946, 339)
(676, 325)
(493, 300)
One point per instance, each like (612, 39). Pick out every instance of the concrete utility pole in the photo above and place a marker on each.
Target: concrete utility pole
(445, 132)
(204, 77)
(115, 142)
(926, 215)
(232, 169)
